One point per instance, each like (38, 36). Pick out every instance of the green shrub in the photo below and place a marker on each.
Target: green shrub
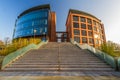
(108, 48)
(17, 44)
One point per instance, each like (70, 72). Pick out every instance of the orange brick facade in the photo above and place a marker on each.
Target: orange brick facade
(83, 28)
(52, 28)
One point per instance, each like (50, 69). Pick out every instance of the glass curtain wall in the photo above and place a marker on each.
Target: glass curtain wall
(32, 23)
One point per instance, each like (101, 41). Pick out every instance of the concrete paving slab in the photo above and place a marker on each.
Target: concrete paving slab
(59, 78)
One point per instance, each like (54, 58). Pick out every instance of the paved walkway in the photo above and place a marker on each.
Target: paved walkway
(60, 78)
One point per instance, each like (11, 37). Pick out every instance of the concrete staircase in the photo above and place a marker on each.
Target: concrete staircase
(59, 57)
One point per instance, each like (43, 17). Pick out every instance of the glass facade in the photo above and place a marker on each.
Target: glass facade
(32, 23)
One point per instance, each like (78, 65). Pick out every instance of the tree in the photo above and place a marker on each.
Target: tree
(1, 42)
(7, 41)
(108, 48)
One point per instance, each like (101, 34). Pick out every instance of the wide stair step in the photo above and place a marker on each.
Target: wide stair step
(59, 57)
(57, 69)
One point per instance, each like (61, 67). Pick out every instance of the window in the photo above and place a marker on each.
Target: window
(45, 29)
(41, 30)
(75, 18)
(94, 22)
(83, 26)
(82, 19)
(84, 40)
(84, 33)
(96, 42)
(91, 40)
(102, 32)
(98, 30)
(95, 35)
(95, 29)
(77, 39)
(76, 32)
(100, 36)
(90, 33)
(99, 25)
(89, 21)
(103, 37)
(76, 25)
(45, 21)
(90, 27)
(100, 42)
(32, 23)
(65, 35)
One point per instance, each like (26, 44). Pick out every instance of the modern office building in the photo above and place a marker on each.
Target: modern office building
(83, 28)
(38, 22)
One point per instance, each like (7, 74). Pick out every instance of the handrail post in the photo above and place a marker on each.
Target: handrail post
(59, 58)
(116, 62)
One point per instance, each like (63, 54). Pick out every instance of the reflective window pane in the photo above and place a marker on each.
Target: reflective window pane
(94, 22)
(90, 27)
(76, 32)
(95, 29)
(75, 18)
(91, 40)
(84, 40)
(33, 15)
(82, 19)
(76, 25)
(90, 33)
(77, 39)
(83, 26)
(84, 33)
(96, 41)
(89, 21)
(35, 20)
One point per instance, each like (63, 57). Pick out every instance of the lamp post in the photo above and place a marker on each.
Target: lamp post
(34, 34)
(44, 36)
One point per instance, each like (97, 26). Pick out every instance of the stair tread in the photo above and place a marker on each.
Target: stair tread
(70, 58)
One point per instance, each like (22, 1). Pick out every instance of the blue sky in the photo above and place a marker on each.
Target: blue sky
(106, 10)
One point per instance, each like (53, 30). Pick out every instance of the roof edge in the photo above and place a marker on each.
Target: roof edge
(81, 12)
(45, 6)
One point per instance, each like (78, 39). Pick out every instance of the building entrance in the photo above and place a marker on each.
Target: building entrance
(61, 36)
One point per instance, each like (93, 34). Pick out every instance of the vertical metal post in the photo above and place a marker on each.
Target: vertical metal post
(34, 35)
(59, 57)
